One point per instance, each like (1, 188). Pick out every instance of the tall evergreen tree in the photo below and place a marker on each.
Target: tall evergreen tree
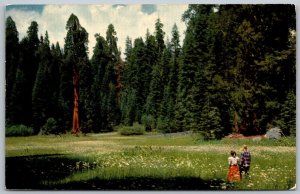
(25, 76)
(159, 36)
(287, 120)
(110, 110)
(75, 60)
(99, 62)
(128, 94)
(221, 51)
(41, 93)
(54, 71)
(108, 66)
(167, 116)
(11, 65)
(210, 122)
(159, 64)
(149, 58)
(139, 77)
(192, 81)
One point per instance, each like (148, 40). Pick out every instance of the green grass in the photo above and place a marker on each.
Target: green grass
(89, 160)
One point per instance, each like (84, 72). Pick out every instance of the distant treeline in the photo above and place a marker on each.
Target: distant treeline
(235, 72)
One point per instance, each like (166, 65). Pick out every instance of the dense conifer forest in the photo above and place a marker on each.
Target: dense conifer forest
(234, 72)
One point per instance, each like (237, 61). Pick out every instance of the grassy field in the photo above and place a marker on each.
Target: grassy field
(148, 162)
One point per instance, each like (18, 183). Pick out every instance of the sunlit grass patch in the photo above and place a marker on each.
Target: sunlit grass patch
(152, 162)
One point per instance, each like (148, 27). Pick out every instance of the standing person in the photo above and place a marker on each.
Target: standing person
(245, 160)
(234, 172)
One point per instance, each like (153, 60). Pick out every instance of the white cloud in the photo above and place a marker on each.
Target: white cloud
(128, 21)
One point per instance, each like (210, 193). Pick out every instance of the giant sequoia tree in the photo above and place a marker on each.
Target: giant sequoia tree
(76, 61)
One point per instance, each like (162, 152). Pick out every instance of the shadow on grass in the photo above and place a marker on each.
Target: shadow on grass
(32, 172)
(145, 183)
(35, 172)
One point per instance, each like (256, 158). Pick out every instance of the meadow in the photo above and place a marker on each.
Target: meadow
(146, 162)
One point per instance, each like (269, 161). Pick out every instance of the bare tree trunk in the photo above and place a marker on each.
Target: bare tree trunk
(75, 125)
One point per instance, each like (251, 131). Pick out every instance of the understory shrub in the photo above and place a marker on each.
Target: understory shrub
(165, 125)
(162, 125)
(136, 129)
(211, 134)
(18, 130)
(50, 127)
(148, 121)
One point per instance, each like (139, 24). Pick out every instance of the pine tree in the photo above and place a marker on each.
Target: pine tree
(159, 36)
(288, 115)
(158, 72)
(42, 93)
(139, 75)
(167, 117)
(12, 60)
(148, 60)
(163, 114)
(128, 94)
(110, 93)
(18, 100)
(222, 54)
(54, 71)
(66, 92)
(108, 66)
(33, 44)
(99, 62)
(210, 123)
(128, 106)
(155, 94)
(25, 77)
(85, 97)
(192, 81)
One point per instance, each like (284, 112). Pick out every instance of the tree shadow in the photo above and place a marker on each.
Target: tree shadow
(145, 183)
(36, 172)
(31, 172)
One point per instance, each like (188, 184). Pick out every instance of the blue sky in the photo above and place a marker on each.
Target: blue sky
(146, 8)
(37, 8)
(129, 20)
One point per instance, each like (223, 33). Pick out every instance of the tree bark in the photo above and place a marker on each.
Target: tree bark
(75, 124)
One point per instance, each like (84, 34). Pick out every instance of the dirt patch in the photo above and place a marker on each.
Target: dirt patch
(241, 136)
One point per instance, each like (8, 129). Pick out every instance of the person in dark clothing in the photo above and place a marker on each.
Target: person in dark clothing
(245, 161)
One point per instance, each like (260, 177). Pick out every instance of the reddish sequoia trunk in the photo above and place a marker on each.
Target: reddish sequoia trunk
(75, 125)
